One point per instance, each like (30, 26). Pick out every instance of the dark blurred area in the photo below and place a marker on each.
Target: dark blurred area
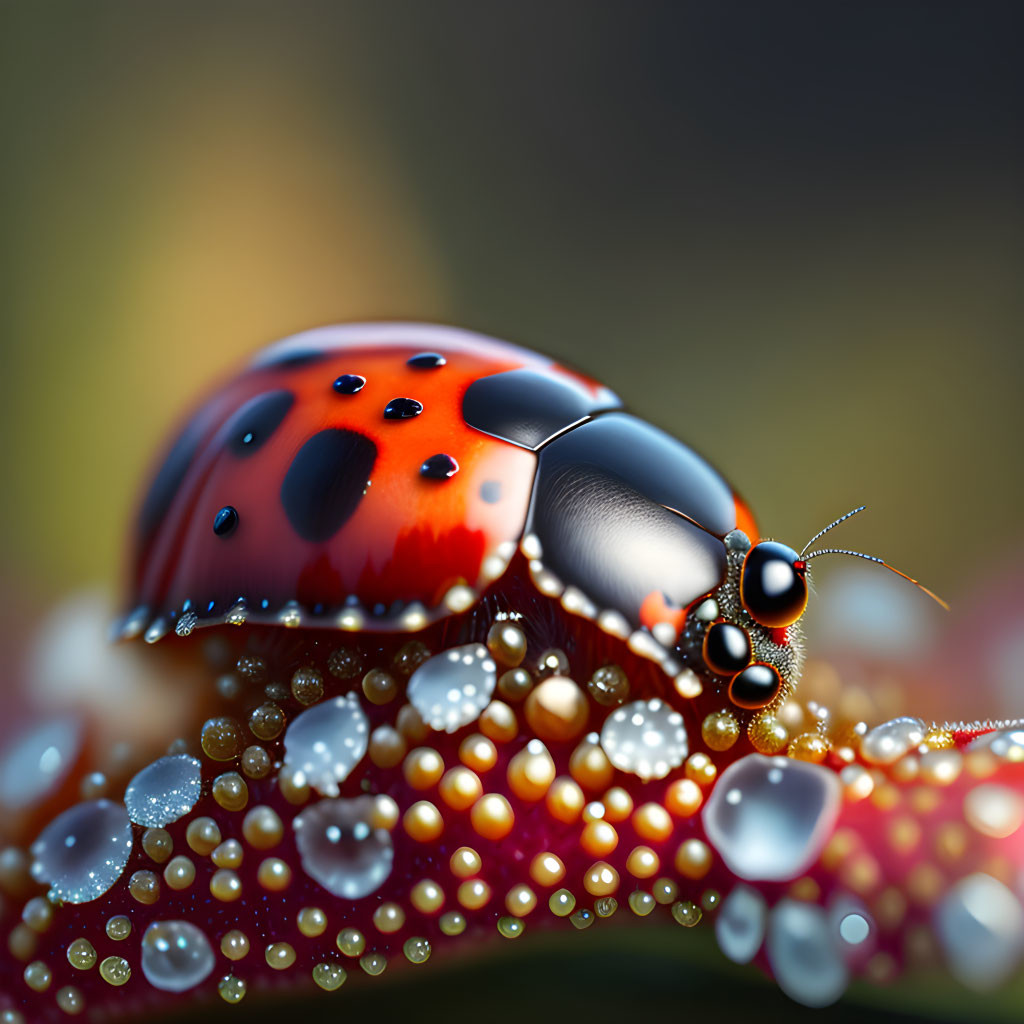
(790, 233)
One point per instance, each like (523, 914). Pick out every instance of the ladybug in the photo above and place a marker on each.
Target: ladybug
(380, 477)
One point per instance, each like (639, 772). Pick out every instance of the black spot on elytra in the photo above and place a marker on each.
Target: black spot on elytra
(490, 491)
(293, 360)
(250, 428)
(402, 409)
(225, 521)
(325, 482)
(426, 361)
(169, 478)
(349, 384)
(527, 407)
(439, 467)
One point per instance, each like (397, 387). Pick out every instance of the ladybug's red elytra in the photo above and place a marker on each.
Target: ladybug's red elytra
(379, 477)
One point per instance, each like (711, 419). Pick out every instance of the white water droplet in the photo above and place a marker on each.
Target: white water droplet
(339, 848)
(83, 851)
(803, 954)
(176, 956)
(888, 742)
(451, 689)
(768, 817)
(37, 761)
(740, 924)
(646, 738)
(327, 741)
(163, 791)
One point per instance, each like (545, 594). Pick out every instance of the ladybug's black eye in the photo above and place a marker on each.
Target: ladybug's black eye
(755, 686)
(726, 648)
(773, 586)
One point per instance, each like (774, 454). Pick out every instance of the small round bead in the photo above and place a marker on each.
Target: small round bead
(228, 855)
(565, 800)
(225, 885)
(590, 767)
(465, 862)
(379, 687)
(262, 828)
(515, 684)
(231, 989)
(520, 900)
(351, 942)
(37, 976)
(119, 927)
(720, 730)
(410, 656)
(643, 862)
(618, 804)
(687, 913)
(345, 663)
(312, 921)
(329, 977)
(561, 903)
(230, 791)
(683, 798)
(767, 734)
(556, 709)
(609, 686)
(693, 858)
(492, 817)
(203, 835)
(70, 1000)
(293, 785)
(388, 918)
(373, 963)
(423, 822)
(144, 887)
(460, 788)
(474, 893)
(599, 838)
(510, 927)
(427, 896)
(416, 950)
(221, 738)
(701, 769)
(81, 954)
(641, 903)
(452, 923)
(180, 873)
(498, 722)
(606, 906)
(478, 753)
(581, 919)
(547, 869)
(307, 685)
(387, 747)
(38, 914)
(665, 891)
(385, 812)
(507, 643)
(531, 772)
(267, 722)
(256, 762)
(809, 746)
(157, 844)
(423, 768)
(553, 662)
(115, 970)
(280, 955)
(652, 822)
(274, 874)
(410, 724)
(601, 879)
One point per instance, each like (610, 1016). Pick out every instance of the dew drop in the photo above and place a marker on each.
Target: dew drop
(176, 956)
(803, 955)
(888, 742)
(646, 738)
(769, 817)
(163, 791)
(740, 924)
(83, 851)
(327, 741)
(340, 849)
(451, 689)
(36, 762)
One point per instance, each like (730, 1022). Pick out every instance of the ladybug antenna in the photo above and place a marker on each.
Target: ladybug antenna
(821, 533)
(872, 558)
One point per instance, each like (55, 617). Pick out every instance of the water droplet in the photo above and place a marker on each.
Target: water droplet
(426, 361)
(402, 409)
(451, 689)
(854, 929)
(803, 955)
(981, 927)
(769, 817)
(888, 742)
(1007, 744)
(339, 848)
(327, 741)
(163, 791)
(439, 467)
(83, 851)
(176, 956)
(36, 762)
(740, 924)
(646, 738)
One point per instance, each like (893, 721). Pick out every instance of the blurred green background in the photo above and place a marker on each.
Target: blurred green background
(790, 233)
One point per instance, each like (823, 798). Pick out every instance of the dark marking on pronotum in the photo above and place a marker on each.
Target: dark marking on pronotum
(225, 521)
(326, 481)
(250, 428)
(490, 491)
(402, 409)
(292, 360)
(426, 361)
(439, 467)
(349, 384)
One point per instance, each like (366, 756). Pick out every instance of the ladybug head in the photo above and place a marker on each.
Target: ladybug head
(773, 584)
